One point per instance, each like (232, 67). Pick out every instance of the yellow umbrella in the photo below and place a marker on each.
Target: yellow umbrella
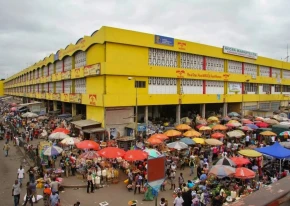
(250, 153)
(213, 119)
(182, 127)
(213, 142)
(219, 127)
(192, 133)
(172, 133)
(233, 121)
(204, 128)
(198, 140)
(268, 133)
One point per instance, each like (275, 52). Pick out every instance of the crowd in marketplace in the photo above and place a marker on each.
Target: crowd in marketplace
(228, 158)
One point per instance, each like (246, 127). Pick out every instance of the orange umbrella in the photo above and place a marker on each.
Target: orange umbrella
(154, 141)
(88, 144)
(159, 136)
(204, 128)
(239, 161)
(192, 133)
(244, 173)
(182, 127)
(135, 155)
(219, 127)
(217, 135)
(111, 152)
(172, 133)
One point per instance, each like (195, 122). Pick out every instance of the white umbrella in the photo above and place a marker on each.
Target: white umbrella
(52, 151)
(58, 135)
(177, 145)
(70, 141)
(30, 115)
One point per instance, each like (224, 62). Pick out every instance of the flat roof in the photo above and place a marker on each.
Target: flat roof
(85, 123)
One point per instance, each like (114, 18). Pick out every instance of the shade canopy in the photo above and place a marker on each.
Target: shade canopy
(276, 150)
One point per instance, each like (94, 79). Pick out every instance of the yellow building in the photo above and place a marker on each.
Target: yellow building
(169, 77)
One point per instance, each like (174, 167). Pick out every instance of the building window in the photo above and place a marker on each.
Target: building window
(191, 61)
(266, 88)
(80, 59)
(214, 64)
(264, 105)
(276, 73)
(50, 69)
(161, 57)
(45, 71)
(140, 84)
(251, 69)
(250, 87)
(50, 85)
(157, 85)
(58, 87)
(67, 64)
(234, 67)
(286, 74)
(277, 88)
(286, 88)
(67, 86)
(80, 86)
(264, 71)
(58, 66)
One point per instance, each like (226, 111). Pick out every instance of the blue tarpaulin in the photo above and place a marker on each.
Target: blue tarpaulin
(276, 150)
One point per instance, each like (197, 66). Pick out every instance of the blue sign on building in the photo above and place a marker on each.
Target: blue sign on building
(167, 41)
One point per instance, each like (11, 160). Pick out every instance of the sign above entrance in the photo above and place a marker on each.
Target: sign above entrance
(239, 52)
(163, 40)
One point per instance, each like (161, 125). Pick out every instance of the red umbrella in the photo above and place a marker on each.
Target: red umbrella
(244, 173)
(217, 135)
(111, 152)
(89, 155)
(159, 136)
(63, 130)
(199, 126)
(135, 155)
(13, 109)
(240, 161)
(262, 124)
(88, 144)
(247, 121)
(246, 128)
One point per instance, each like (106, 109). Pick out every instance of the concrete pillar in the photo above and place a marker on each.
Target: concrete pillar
(54, 105)
(146, 115)
(202, 110)
(73, 109)
(62, 108)
(178, 111)
(225, 109)
(155, 111)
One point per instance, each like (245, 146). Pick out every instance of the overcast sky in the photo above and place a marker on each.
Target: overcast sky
(33, 29)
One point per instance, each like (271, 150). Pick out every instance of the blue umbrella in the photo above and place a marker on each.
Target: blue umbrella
(187, 141)
(53, 151)
(233, 114)
(252, 126)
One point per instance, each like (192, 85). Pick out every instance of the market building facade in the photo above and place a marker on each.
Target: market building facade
(113, 73)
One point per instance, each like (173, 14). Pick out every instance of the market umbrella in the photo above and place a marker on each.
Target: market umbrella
(240, 161)
(42, 118)
(226, 161)
(259, 119)
(88, 144)
(235, 118)
(52, 151)
(187, 141)
(63, 130)
(246, 121)
(152, 152)
(262, 124)
(219, 127)
(204, 128)
(244, 173)
(226, 118)
(213, 142)
(250, 153)
(111, 152)
(221, 171)
(135, 155)
(192, 133)
(233, 121)
(236, 133)
(154, 141)
(182, 127)
(252, 126)
(234, 124)
(217, 135)
(30, 115)
(284, 123)
(159, 136)
(213, 119)
(172, 133)
(285, 144)
(245, 128)
(13, 104)
(233, 114)
(58, 135)
(268, 133)
(287, 133)
(70, 141)
(89, 155)
(271, 121)
(177, 145)
(198, 140)
(13, 109)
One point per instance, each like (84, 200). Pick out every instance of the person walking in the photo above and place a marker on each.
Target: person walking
(28, 195)
(33, 190)
(6, 148)
(54, 199)
(90, 183)
(16, 192)
(20, 175)
(191, 165)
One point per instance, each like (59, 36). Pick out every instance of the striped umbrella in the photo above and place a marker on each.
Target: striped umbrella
(226, 162)
(89, 155)
(53, 151)
(221, 171)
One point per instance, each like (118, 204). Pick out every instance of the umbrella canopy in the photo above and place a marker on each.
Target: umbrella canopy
(70, 141)
(233, 114)
(112, 152)
(192, 133)
(213, 142)
(63, 130)
(152, 152)
(271, 121)
(219, 127)
(177, 145)
(244, 173)
(226, 118)
(235, 118)
(240, 161)
(198, 140)
(287, 133)
(88, 144)
(159, 136)
(250, 153)
(53, 151)
(30, 115)
(226, 161)
(13, 104)
(89, 155)
(262, 124)
(205, 128)
(42, 118)
(259, 119)
(217, 135)
(154, 141)
(213, 119)
(182, 127)
(222, 171)
(172, 133)
(187, 141)
(247, 121)
(252, 126)
(268, 133)
(58, 135)
(234, 124)
(135, 155)
(233, 121)
(276, 150)
(236, 133)
(245, 128)
(285, 144)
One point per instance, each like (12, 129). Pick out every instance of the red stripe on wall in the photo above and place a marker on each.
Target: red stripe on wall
(62, 86)
(204, 86)
(204, 63)
(243, 68)
(270, 71)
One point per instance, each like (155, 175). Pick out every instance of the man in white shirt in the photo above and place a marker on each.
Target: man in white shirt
(178, 200)
(273, 139)
(20, 175)
(247, 140)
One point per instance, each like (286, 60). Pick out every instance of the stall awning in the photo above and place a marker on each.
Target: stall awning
(94, 130)
(85, 123)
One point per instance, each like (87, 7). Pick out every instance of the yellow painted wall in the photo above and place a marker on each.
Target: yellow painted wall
(96, 114)
(95, 85)
(96, 54)
(1, 88)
